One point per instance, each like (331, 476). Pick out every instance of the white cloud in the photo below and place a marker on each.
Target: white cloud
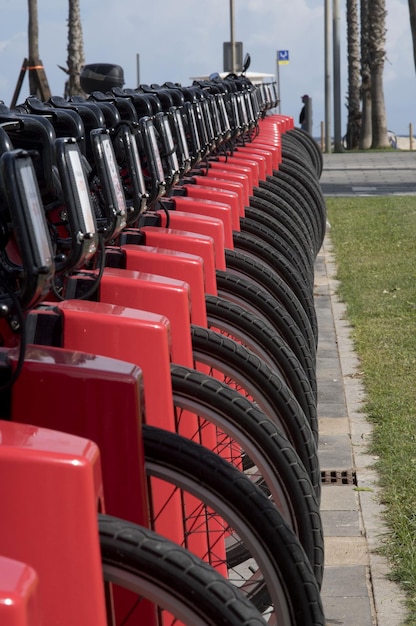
(8, 43)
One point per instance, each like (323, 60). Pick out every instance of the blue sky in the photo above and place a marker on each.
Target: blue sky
(177, 40)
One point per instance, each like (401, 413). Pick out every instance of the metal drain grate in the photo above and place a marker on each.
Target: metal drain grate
(338, 477)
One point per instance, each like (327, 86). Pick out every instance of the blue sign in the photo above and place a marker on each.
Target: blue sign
(283, 56)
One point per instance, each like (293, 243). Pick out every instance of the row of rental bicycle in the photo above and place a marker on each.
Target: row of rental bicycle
(159, 432)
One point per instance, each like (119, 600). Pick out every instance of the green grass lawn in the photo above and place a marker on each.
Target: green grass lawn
(375, 249)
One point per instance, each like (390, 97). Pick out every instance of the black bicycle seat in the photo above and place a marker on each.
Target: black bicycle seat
(34, 105)
(91, 115)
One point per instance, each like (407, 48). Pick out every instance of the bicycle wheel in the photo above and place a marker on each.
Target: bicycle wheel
(260, 303)
(260, 337)
(283, 201)
(286, 213)
(289, 256)
(309, 185)
(245, 435)
(282, 281)
(225, 359)
(295, 154)
(255, 221)
(279, 184)
(240, 515)
(181, 586)
(307, 192)
(243, 265)
(310, 181)
(300, 144)
(307, 143)
(273, 194)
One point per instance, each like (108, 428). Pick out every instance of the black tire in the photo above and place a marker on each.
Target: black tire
(294, 149)
(309, 143)
(275, 239)
(279, 184)
(297, 168)
(306, 184)
(232, 503)
(297, 205)
(260, 303)
(240, 264)
(258, 336)
(251, 433)
(155, 569)
(302, 141)
(311, 186)
(302, 294)
(294, 154)
(241, 369)
(287, 215)
(256, 220)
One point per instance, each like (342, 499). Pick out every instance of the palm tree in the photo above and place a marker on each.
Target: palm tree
(366, 126)
(377, 54)
(75, 59)
(354, 98)
(38, 84)
(412, 12)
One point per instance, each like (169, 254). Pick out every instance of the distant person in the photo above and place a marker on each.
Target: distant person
(303, 116)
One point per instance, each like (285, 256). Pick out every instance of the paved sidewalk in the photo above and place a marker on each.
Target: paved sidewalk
(356, 590)
(376, 173)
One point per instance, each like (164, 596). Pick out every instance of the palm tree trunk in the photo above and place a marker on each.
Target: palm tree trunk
(366, 133)
(377, 41)
(76, 58)
(354, 112)
(412, 13)
(33, 44)
(38, 84)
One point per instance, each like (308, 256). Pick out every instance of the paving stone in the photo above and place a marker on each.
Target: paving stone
(344, 582)
(333, 426)
(346, 551)
(327, 350)
(327, 366)
(339, 498)
(340, 523)
(331, 390)
(331, 410)
(341, 611)
(335, 452)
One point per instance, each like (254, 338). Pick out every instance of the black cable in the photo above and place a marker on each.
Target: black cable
(23, 336)
(167, 213)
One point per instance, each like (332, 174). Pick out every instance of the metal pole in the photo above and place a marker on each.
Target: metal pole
(309, 121)
(232, 36)
(337, 76)
(138, 69)
(328, 122)
(278, 80)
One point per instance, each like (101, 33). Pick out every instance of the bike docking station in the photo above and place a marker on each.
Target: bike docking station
(141, 364)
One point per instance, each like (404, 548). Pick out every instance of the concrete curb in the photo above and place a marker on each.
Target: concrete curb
(353, 518)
